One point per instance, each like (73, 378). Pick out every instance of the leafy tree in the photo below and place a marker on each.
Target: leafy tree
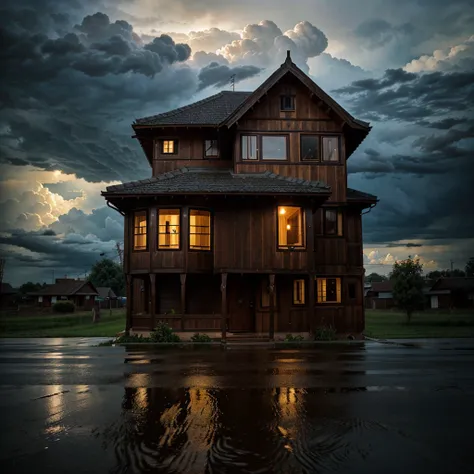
(407, 277)
(375, 277)
(30, 287)
(106, 272)
(434, 275)
(470, 267)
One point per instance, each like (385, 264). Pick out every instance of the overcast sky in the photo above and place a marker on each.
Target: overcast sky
(77, 73)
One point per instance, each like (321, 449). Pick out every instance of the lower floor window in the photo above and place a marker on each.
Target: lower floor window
(199, 230)
(328, 290)
(298, 292)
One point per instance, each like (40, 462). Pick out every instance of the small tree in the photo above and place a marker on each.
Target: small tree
(375, 277)
(407, 278)
(108, 273)
(470, 267)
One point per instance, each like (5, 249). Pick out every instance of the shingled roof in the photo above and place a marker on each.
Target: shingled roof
(354, 195)
(67, 287)
(210, 111)
(212, 181)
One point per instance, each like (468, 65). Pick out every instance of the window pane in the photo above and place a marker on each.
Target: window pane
(199, 230)
(309, 147)
(139, 231)
(211, 148)
(169, 146)
(168, 228)
(330, 148)
(290, 227)
(249, 147)
(329, 290)
(298, 292)
(330, 222)
(273, 148)
(287, 102)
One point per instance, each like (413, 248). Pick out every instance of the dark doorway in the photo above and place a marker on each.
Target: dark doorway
(241, 297)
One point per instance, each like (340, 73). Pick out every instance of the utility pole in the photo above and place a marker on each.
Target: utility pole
(120, 253)
(232, 82)
(452, 263)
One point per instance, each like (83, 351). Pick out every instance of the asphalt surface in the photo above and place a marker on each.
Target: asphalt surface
(67, 407)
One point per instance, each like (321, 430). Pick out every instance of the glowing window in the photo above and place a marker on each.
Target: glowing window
(329, 290)
(199, 230)
(291, 225)
(168, 228)
(139, 230)
(169, 147)
(298, 292)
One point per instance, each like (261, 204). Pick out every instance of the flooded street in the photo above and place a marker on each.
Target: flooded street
(346, 408)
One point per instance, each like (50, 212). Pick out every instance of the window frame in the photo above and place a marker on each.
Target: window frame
(339, 290)
(175, 146)
(295, 281)
(292, 100)
(291, 248)
(259, 155)
(211, 229)
(257, 150)
(339, 222)
(338, 138)
(206, 156)
(147, 217)
(180, 225)
(320, 137)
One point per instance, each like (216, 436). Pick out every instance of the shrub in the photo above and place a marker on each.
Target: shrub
(324, 333)
(291, 338)
(64, 307)
(124, 339)
(163, 333)
(201, 338)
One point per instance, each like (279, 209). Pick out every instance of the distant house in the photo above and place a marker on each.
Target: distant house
(7, 296)
(379, 295)
(106, 293)
(81, 292)
(455, 292)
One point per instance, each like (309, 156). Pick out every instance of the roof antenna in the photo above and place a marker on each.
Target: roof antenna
(232, 82)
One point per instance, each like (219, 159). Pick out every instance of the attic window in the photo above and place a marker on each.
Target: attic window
(287, 102)
(169, 147)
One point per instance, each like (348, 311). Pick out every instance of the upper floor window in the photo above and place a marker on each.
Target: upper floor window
(169, 147)
(331, 149)
(210, 148)
(199, 230)
(168, 228)
(274, 147)
(309, 147)
(140, 228)
(287, 102)
(291, 227)
(332, 222)
(249, 147)
(328, 290)
(298, 292)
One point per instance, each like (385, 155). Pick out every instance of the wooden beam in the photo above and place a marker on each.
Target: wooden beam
(224, 306)
(128, 319)
(182, 279)
(153, 299)
(311, 302)
(271, 290)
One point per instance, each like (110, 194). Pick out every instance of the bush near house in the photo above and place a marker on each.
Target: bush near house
(324, 333)
(201, 338)
(164, 333)
(64, 307)
(291, 338)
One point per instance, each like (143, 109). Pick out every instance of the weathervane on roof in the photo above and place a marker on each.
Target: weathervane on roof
(232, 82)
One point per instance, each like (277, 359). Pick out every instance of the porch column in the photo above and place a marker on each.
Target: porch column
(271, 291)
(224, 305)
(153, 299)
(182, 279)
(128, 317)
(311, 312)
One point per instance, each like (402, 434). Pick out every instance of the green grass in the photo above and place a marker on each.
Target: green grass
(63, 325)
(388, 324)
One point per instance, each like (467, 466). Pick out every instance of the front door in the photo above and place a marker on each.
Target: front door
(241, 297)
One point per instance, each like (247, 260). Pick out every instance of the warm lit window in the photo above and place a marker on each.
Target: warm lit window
(298, 292)
(199, 230)
(249, 147)
(329, 290)
(169, 147)
(274, 147)
(265, 296)
(309, 148)
(287, 102)
(332, 222)
(210, 148)
(291, 226)
(139, 230)
(331, 149)
(168, 228)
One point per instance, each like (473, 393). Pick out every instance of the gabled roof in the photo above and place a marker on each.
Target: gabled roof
(355, 195)
(211, 111)
(106, 292)
(67, 287)
(382, 286)
(7, 289)
(223, 181)
(455, 284)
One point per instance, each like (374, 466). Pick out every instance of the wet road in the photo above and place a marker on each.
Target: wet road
(358, 408)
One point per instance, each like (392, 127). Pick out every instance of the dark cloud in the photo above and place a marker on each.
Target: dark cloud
(219, 74)
(376, 33)
(408, 245)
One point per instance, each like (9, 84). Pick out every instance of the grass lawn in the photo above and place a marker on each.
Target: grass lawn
(63, 325)
(388, 324)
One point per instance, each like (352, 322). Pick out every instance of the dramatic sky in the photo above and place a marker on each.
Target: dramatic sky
(76, 73)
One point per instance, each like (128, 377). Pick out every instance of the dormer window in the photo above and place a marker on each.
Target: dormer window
(210, 149)
(169, 147)
(287, 102)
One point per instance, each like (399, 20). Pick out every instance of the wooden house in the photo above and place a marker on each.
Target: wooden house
(452, 292)
(247, 223)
